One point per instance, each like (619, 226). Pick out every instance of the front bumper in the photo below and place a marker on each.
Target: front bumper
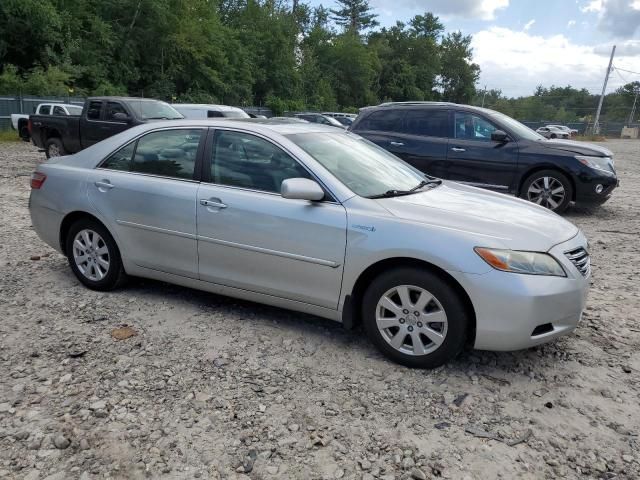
(586, 188)
(515, 311)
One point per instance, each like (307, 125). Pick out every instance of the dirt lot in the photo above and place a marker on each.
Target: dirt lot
(211, 387)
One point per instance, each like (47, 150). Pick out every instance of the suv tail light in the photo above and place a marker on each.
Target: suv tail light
(37, 179)
(29, 126)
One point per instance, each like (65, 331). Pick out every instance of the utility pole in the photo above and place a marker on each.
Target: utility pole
(596, 123)
(633, 109)
(484, 95)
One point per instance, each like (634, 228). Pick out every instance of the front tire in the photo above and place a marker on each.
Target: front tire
(415, 318)
(93, 255)
(54, 148)
(548, 188)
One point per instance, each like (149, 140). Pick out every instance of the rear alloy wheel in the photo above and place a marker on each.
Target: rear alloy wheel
(94, 256)
(549, 189)
(54, 148)
(415, 318)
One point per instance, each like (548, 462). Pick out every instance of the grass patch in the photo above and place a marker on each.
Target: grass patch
(589, 138)
(9, 136)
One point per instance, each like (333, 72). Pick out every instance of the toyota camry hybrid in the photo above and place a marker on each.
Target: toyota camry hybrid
(317, 220)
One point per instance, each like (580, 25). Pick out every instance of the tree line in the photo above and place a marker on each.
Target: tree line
(281, 54)
(564, 104)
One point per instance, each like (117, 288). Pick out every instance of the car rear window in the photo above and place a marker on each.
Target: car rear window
(383, 120)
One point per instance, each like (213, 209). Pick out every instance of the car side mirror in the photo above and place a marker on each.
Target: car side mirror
(301, 189)
(499, 136)
(121, 117)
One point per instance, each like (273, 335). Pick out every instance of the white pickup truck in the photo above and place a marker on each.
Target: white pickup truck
(20, 121)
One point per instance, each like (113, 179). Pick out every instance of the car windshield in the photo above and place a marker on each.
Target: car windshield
(365, 168)
(516, 127)
(154, 110)
(74, 111)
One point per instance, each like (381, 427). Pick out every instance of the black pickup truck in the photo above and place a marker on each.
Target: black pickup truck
(101, 117)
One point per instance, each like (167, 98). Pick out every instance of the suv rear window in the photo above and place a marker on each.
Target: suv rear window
(383, 120)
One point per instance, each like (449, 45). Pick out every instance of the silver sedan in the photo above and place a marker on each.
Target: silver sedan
(316, 220)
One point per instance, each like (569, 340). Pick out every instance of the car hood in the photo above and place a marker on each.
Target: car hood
(580, 148)
(499, 220)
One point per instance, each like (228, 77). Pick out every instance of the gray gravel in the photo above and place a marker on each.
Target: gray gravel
(211, 387)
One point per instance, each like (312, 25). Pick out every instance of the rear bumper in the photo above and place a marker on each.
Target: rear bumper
(515, 311)
(46, 222)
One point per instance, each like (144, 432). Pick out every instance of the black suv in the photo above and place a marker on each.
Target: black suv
(488, 149)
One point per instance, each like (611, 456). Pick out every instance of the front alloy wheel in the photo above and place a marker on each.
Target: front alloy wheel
(415, 317)
(549, 189)
(411, 320)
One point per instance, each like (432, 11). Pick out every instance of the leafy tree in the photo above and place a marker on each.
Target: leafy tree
(459, 75)
(354, 15)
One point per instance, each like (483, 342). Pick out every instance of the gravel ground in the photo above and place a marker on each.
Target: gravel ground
(211, 387)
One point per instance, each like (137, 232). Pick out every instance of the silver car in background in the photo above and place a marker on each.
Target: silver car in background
(317, 220)
(553, 132)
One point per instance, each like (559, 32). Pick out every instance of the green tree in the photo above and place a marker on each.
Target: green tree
(354, 15)
(459, 74)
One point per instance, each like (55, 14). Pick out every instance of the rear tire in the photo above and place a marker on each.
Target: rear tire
(540, 191)
(54, 148)
(24, 133)
(93, 255)
(415, 318)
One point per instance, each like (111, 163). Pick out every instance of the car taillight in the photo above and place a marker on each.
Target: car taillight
(29, 126)
(37, 179)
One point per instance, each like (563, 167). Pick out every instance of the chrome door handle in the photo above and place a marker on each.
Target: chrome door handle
(457, 149)
(104, 184)
(397, 144)
(212, 203)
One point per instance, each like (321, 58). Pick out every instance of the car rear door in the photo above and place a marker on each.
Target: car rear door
(251, 238)
(146, 192)
(475, 159)
(419, 135)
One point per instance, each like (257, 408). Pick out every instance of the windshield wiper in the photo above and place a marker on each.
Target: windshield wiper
(398, 193)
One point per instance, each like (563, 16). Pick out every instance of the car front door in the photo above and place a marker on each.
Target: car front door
(475, 159)
(146, 192)
(116, 119)
(250, 237)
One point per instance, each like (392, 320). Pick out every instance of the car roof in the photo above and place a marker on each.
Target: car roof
(126, 99)
(258, 125)
(209, 106)
(427, 104)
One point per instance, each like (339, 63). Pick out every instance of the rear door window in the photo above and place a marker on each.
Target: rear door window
(94, 110)
(58, 110)
(45, 109)
(214, 114)
(383, 121)
(168, 153)
(427, 122)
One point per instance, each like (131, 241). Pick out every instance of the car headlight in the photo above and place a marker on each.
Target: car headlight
(602, 164)
(515, 261)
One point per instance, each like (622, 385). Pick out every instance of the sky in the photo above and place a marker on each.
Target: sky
(520, 44)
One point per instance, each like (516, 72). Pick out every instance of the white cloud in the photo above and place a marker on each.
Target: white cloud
(593, 6)
(516, 62)
(482, 9)
(617, 18)
(529, 24)
(571, 23)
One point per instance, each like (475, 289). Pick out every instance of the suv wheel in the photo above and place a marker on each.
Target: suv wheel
(414, 318)
(94, 256)
(548, 188)
(54, 148)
